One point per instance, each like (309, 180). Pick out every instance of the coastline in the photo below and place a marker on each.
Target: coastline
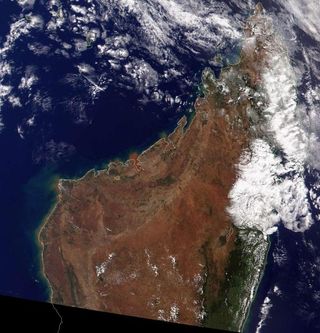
(243, 276)
(40, 244)
(123, 159)
(246, 320)
(94, 173)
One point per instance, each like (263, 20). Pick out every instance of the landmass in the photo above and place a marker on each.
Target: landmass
(151, 237)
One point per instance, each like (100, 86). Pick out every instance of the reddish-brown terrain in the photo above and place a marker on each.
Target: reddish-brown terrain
(141, 237)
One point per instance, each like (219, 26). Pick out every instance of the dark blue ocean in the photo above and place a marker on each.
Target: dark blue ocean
(291, 282)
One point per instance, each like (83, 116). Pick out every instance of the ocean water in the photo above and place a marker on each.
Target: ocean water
(291, 283)
(118, 125)
(288, 297)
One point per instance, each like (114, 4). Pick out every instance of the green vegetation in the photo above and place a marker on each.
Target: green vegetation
(166, 181)
(246, 262)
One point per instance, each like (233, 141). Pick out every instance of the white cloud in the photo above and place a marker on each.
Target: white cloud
(20, 132)
(26, 3)
(79, 9)
(38, 48)
(15, 101)
(120, 53)
(20, 27)
(268, 192)
(5, 69)
(271, 188)
(143, 74)
(264, 313)
(283, 113)
(306, 14)
(198, 26)
(86, 69)
(1, 121)
(30, 121)
(159, 23)
(101, 269)
(28, 81)
(4, 90)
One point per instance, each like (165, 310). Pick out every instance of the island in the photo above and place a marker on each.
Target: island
(151, 236)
